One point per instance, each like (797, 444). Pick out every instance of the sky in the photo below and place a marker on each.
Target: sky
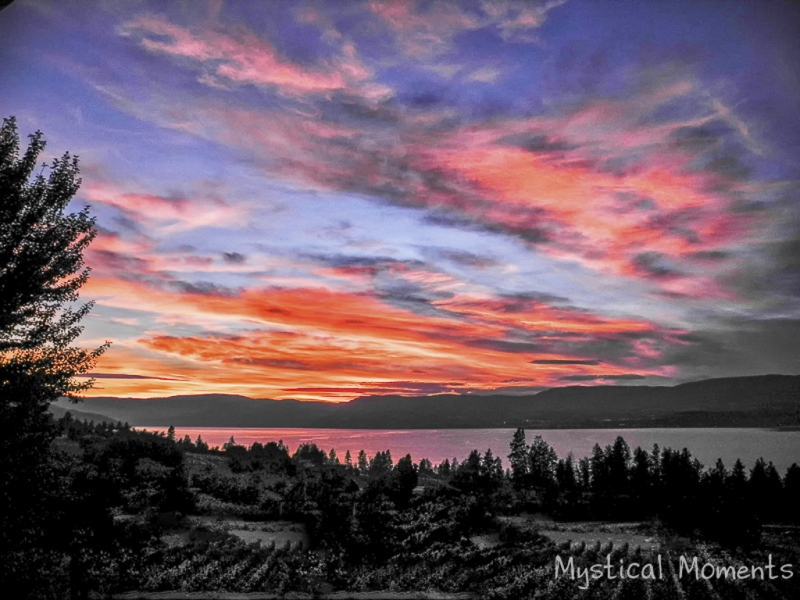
(324, 200)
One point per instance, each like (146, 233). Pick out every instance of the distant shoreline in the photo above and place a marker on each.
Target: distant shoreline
(769, 401)
(791, 428)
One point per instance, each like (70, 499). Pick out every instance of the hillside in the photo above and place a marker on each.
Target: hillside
(761, 401)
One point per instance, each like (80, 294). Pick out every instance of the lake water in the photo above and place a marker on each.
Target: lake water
(780, 447)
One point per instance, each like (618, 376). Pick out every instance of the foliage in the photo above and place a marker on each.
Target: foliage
(41, 272)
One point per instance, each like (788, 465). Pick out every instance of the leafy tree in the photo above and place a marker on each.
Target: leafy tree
(41, 271)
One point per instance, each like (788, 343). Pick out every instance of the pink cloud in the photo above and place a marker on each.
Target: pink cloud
(168, 214)
(427, 29)
(240, 56)
(519, 20)
(424, 32)
(606, 182)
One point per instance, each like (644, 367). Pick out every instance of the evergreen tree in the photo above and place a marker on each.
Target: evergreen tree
(642, 483)
(425, 467)
(791, 494)
(404, 480)
(363, 464)
(380, 464)
(519, 459)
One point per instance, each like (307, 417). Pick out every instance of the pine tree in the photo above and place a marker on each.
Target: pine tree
(519, 458)
(363, 463)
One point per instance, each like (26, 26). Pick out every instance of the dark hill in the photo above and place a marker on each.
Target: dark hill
(762, 401)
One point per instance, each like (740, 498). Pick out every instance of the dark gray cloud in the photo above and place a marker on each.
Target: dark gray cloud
(537, 143)
(545, 361)
(735, 347)
(233, 258)
(442, 218)
(654, 264)
(204, 288)
(376, 263)
(119, 262)
(505, 346)
(460, 257)
(122, 376)
(542, 297)
(709, 255)
(623, 377)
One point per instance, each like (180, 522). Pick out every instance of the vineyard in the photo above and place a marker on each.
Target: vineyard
(522, 566)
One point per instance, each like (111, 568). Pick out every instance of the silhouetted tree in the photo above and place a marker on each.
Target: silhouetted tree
(542, 460)
(403, 481)
(380, 464)
(311, 454)
(425, 467)
(348, 461)
(363, 463)
(332, 458)
(41, 272)
(519, 458)
(765, 487)
(791, 493)
(200, 444)
(642, 484)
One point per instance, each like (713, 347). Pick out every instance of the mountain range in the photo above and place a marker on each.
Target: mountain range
(759, 401)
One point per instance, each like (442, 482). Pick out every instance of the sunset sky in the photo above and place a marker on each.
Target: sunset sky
(329, 199)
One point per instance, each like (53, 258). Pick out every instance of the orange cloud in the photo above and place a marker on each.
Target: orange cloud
(314, 338)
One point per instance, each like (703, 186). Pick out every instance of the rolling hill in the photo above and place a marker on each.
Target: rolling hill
(760, 401)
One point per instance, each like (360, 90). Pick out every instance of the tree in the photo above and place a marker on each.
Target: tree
(41, 272)
(519, 458)
(380, 464)
(363, 463)
(542, 460)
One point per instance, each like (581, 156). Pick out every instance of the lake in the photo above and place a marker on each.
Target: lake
(780, 447)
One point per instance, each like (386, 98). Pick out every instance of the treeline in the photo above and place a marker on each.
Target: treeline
(616, 483)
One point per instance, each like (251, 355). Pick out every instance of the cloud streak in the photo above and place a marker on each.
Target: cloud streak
(415, 197)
